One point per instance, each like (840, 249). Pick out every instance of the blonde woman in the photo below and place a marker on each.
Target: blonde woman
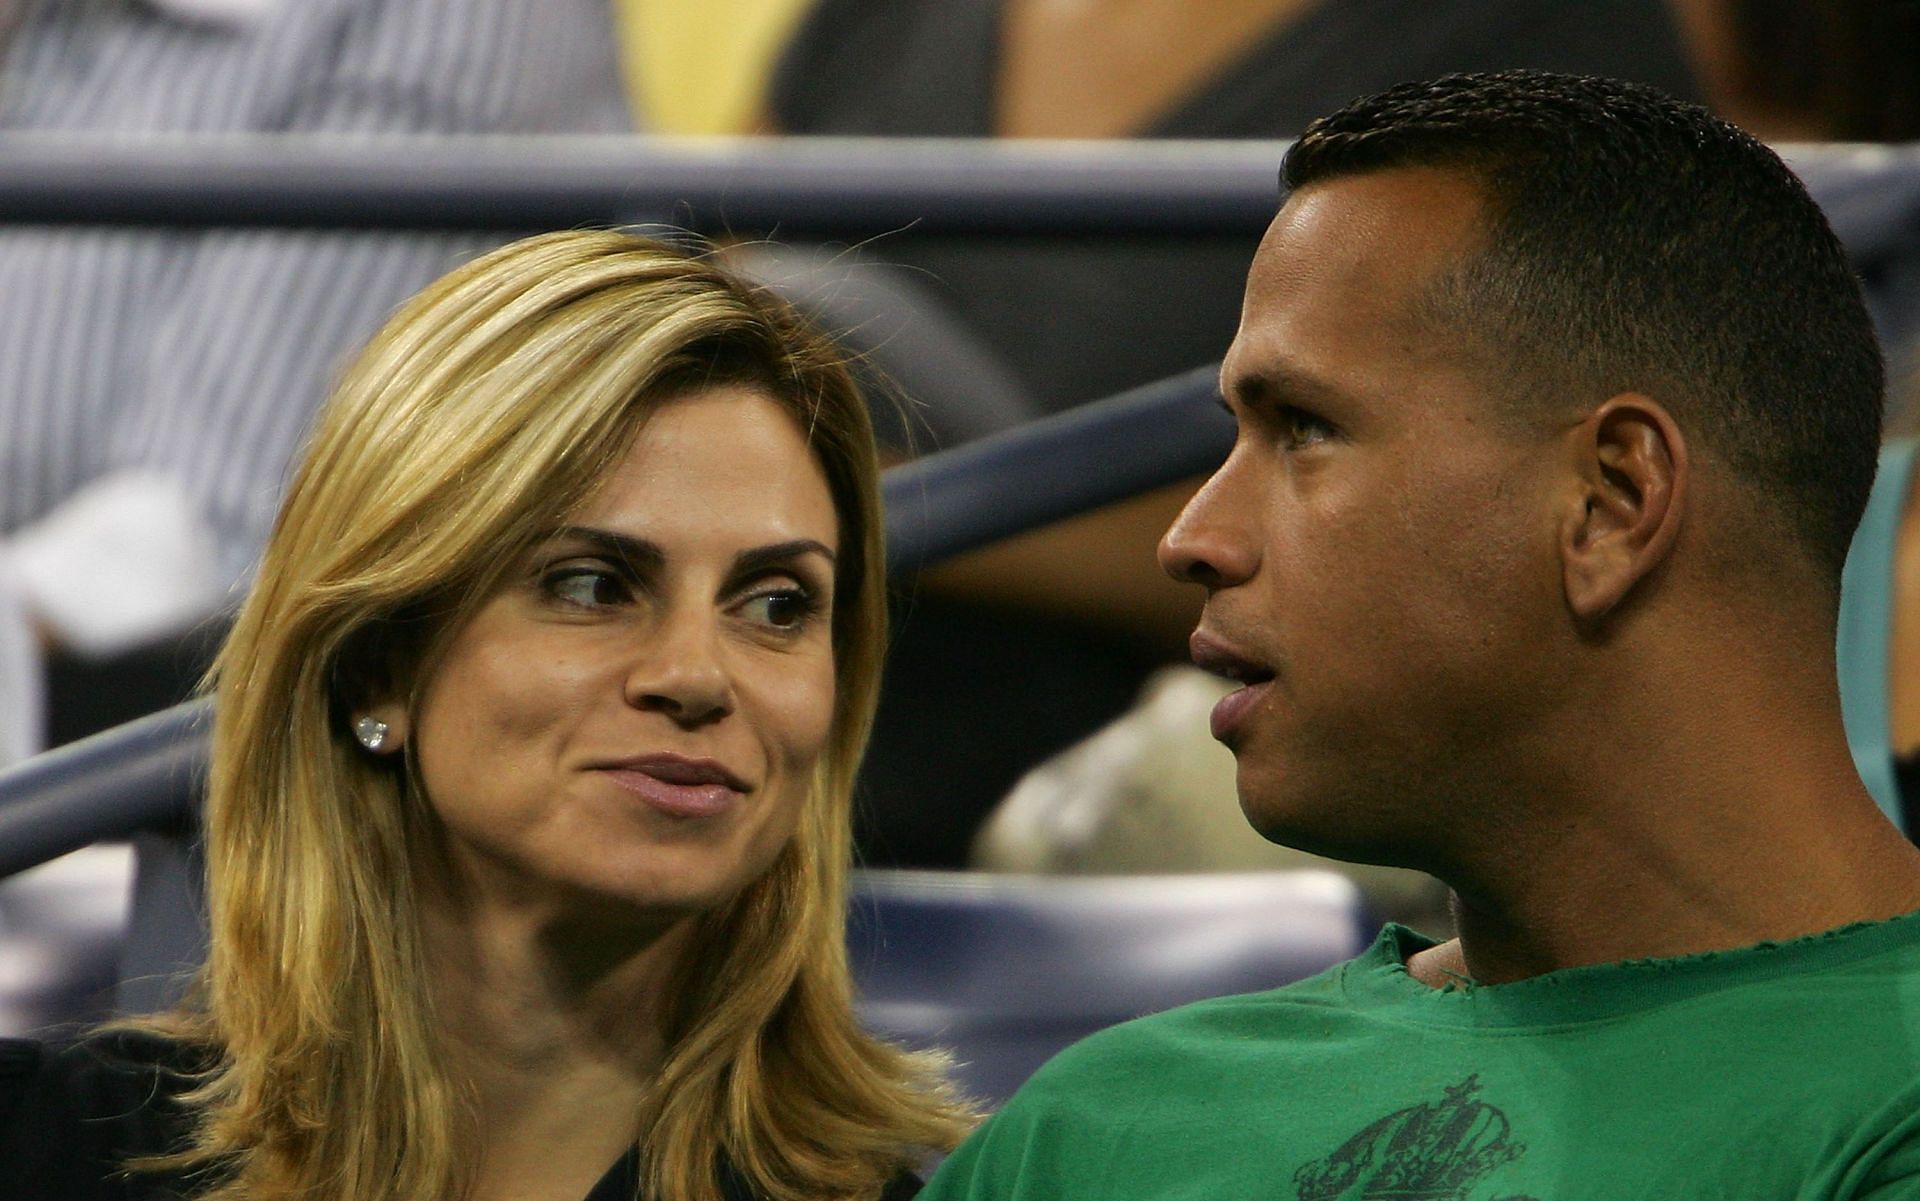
(527, 828)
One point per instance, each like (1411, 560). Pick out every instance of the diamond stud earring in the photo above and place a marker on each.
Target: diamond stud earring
(371, 731)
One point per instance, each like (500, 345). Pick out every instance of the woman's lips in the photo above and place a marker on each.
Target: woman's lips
(677, 786)
(1233, 709)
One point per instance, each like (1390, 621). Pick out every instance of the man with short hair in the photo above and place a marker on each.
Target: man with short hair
(1557, 407)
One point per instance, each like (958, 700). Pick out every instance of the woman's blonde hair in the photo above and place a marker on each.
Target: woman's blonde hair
(486, 411)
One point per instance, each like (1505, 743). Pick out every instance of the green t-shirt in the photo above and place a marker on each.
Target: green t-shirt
(1783, 1070)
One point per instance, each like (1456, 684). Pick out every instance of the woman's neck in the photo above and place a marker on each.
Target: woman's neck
(557, 1028)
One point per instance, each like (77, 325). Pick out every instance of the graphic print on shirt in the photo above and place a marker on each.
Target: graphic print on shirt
(1432, 1151)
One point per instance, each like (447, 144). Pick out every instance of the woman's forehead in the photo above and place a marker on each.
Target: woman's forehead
(722, 463)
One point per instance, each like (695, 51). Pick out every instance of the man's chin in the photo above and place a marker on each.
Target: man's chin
(1316, 826)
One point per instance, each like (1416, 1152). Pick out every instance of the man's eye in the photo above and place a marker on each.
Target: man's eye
(1300, 428)
(588, 587)
(780, 608)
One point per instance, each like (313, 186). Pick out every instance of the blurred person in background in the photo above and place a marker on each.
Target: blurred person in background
(527, 826)
(1070, 315)
(1788, 71)
(155, 386)
(1030, 656)
(1149, 793)
(1557, 404)
(701, 69)
(1837, 71)
(1849, 71)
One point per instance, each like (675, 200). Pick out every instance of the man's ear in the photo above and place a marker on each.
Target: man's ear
(1634, 470)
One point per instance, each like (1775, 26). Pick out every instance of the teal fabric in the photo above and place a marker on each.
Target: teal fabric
(1866, 629)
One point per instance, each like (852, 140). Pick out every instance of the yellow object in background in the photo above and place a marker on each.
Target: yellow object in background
(701, 66)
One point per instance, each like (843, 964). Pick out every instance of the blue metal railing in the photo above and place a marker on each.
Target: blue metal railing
(792, 187)
(146, 774)
(789, 187)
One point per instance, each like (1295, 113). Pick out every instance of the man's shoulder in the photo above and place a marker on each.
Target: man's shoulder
(1776, 1063)
(1191, 1039)
(1138, 1088)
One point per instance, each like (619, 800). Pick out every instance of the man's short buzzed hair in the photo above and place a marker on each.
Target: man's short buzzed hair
(1638, 243)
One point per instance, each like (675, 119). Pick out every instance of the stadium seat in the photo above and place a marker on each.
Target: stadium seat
(1004, 970)
(1007, 969)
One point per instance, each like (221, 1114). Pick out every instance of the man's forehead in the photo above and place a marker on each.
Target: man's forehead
(1394, 225)
(1360, 257)
(1341, 297)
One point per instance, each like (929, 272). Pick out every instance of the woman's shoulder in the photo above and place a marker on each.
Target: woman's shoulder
(72, 1114)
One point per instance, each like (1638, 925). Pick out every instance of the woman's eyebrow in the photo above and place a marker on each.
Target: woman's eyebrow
(780, 552)
(635, 552)
(640, 552)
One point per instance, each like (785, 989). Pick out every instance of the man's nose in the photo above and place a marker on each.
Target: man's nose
(1214, 542)
(681, 672)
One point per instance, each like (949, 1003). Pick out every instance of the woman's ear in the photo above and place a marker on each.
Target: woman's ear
(366, 679)
(1633, 466)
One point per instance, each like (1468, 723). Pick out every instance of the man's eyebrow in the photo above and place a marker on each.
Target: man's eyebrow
(1278, 383)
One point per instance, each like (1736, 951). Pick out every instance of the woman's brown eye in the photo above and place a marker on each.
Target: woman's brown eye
(783, 609)
(587, 587)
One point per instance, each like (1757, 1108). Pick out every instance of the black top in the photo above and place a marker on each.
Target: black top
(927, 68)
(71, 1116)
(1070, 316)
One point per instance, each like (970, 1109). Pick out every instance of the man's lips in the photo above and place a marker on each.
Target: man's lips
(677, 785)
(1230, 712)
(1214, 654)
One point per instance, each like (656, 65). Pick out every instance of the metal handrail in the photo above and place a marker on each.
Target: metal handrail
(790, 186)
(148, 773)
(145, 774)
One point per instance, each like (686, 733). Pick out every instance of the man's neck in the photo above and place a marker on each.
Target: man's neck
(1727, 853)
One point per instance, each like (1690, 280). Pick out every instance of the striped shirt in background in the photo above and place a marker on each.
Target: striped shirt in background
(197, 359)
(153, 387)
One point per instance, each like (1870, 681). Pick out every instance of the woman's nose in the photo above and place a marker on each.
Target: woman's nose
(681, 671)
